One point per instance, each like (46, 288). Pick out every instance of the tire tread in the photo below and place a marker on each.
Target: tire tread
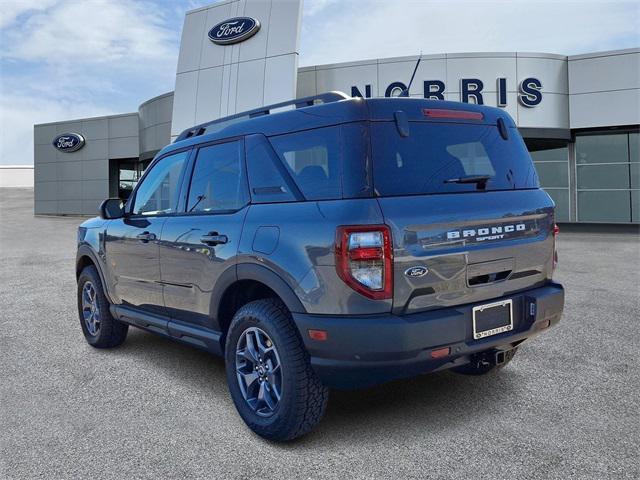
(311, 401)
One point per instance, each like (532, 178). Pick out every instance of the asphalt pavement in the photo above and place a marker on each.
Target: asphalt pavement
(566, 407)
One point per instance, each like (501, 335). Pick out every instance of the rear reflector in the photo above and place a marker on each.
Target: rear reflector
(318, 335)
(441, 352)
(457, 114)
(556, 231)
(372, 253)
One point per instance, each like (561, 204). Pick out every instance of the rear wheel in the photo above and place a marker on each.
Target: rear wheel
(271, 381)
(100, 329)
(480, 366)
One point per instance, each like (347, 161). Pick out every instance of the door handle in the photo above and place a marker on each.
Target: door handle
(213, 238)
(146, 236)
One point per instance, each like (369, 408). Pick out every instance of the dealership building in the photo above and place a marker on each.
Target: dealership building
(579, 115)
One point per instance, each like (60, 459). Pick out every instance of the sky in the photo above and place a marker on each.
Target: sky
(65, 59)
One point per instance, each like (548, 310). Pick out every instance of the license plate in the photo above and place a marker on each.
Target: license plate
(492, 318)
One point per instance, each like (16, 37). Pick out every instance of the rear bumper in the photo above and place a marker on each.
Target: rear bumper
(366, 350)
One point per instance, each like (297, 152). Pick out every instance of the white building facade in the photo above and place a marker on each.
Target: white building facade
(579, 115)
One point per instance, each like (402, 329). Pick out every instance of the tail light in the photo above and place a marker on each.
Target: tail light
(364, 259)
(556, 231)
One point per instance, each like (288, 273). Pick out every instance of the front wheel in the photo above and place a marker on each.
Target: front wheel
(271, 381)
(100, 329)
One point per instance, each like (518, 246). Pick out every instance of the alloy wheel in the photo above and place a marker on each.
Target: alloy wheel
(259, 371)
(90, 309)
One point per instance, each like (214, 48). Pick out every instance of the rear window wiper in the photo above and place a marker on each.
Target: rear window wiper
(480, 180)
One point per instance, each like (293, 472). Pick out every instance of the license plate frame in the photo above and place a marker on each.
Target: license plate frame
(507, 327)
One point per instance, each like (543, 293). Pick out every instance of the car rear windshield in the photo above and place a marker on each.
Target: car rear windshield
(448, 158)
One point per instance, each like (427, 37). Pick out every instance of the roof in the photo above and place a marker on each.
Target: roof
(333, 113)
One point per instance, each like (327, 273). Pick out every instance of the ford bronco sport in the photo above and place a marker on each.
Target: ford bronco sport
(336, 243)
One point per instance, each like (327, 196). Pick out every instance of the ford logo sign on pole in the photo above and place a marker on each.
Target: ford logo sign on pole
(69, 142)
(234, 30)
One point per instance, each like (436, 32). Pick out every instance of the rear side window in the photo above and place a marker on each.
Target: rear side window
(217, 183)
(326, 163)
(435, 157)
(313, 160)
(268, 178)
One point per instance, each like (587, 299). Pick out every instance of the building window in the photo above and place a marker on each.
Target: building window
(607, 177)
(552, 164)
(128, 173)
(128, 176)
(634, 173)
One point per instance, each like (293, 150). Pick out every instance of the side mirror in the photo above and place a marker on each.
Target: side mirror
(112, 208)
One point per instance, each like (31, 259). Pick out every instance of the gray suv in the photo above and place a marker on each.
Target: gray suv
(329, 242)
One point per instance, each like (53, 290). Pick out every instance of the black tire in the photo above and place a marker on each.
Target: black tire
(107, 331)
(303, 398)
(477, 367)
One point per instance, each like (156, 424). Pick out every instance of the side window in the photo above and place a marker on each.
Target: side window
(268, 183)
(158, 192)
(217, 183)
(313, 158)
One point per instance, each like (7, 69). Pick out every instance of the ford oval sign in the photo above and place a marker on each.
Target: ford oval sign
(417, 271)
(234, 30)
(69, 142)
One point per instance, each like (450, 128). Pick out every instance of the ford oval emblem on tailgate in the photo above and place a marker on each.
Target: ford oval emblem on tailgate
(417, 271)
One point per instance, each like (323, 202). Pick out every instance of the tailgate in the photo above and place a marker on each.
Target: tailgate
(453, 249)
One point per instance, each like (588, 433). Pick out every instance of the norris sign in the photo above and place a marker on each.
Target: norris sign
(471, 91)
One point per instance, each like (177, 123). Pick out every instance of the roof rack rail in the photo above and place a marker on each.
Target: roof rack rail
(200, 129)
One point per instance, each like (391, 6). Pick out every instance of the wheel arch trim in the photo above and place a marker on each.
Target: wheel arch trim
(86, 251)
(262, 274)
